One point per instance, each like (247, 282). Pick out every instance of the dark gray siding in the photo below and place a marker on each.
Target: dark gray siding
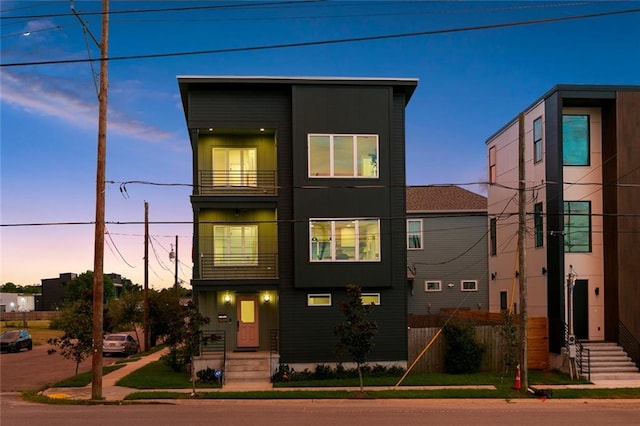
(455, 249)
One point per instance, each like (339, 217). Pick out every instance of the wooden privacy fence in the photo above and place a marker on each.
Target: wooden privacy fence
(488, 336)
(29, 316)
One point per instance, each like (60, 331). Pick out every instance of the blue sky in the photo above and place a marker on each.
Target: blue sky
(470, 84)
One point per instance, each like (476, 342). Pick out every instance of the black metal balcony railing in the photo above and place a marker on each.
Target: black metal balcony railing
(235, 267)
(224, 182)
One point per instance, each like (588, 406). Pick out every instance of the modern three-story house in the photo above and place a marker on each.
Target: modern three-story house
(298, 191)
(582, 167)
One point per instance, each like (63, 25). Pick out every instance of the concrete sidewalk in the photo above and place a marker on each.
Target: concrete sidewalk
(113, 392)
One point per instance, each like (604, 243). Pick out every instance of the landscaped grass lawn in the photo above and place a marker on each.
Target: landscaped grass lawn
(157, 375)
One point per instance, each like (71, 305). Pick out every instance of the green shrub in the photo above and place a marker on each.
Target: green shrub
(463, 354)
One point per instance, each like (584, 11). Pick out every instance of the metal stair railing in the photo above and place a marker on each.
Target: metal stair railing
(629, 343)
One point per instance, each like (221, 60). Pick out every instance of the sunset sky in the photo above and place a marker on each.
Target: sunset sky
(478, 63)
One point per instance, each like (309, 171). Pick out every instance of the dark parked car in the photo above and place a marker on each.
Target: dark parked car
(121, 343)
(14, 340)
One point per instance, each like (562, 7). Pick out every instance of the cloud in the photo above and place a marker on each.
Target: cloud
(65, 99)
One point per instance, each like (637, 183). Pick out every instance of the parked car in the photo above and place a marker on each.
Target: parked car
(120, 343)
(15, 340)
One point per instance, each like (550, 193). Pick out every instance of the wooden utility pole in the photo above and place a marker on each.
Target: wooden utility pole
(147, 337)
(522, 253)
(177, 281)
(98, 260)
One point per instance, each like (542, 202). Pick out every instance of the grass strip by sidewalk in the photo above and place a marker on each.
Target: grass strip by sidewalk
(157, 375)
(83, 379)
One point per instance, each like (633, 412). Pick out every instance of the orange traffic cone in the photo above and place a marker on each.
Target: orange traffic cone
(517, 382)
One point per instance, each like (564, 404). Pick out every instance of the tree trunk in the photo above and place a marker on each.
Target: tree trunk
(361, 381)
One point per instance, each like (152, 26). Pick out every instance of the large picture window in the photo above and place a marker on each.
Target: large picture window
(235, 245)
(577, 226)
(575, 140)
(349, 240)
(414, 234)
(343, 156)
(537, 140)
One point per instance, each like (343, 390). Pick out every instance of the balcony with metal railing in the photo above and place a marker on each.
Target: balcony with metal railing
(225, 182)
(238, 267)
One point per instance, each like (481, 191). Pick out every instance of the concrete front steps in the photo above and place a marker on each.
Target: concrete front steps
(607, 361)
(247, 370)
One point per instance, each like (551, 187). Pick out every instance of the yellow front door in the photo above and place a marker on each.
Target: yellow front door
(248, 330)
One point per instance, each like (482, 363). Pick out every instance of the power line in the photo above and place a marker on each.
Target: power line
(329, 42)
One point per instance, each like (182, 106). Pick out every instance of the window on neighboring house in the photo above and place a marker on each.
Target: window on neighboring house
(234, 167)
(346, 240)
(577, 226)
(493, 236)
(343, 156)
(503, 301)
(575, 140)
(319, 299)
(492, 165)
(370, 298)
(538, 225)
(468, 285)
(433, 286)
(235, 245)
(537, 140)
(414, 234)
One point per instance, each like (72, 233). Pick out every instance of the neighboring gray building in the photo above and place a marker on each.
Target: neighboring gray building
(53, 291)
(446, 249)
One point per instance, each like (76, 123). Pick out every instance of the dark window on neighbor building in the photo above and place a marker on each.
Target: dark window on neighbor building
(492, 165)
(537, 140)
(577, 226)
(537, 222)
(414, 234)
(493, 236)
(503, 301)
(575, 140)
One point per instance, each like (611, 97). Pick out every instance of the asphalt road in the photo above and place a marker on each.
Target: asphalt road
(36, 369)
(478, 412)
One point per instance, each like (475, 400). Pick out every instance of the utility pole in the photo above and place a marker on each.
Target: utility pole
(522, 253)
(147, 337)
(98, 260)
(177, 282)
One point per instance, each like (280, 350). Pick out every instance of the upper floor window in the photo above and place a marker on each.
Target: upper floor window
(493, 237)
(492, 165)
(538, 225)
(234, 167)
(414, 234)
(343, 156)
(235, 245)
(537, 140)
(347, 240)
(577, 226)
(575, 140)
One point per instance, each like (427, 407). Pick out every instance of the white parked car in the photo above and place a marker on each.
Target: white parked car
(120, 343)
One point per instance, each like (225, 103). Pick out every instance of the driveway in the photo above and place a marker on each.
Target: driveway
(36, 369)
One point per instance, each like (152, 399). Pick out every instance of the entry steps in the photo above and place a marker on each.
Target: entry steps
(247, 367)
(607, 361)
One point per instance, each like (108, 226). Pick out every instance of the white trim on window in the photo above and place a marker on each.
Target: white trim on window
(319, 299)
(431, 285)
(370, 298)
(414, 237)
(359, 160)
(469, 285)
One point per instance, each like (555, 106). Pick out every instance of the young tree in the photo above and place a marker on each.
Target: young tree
(185, 336)
(76, 320)
(126, 311)
(356, 333)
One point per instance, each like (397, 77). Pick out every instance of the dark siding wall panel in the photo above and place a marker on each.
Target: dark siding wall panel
(554, 202)
(628, 110)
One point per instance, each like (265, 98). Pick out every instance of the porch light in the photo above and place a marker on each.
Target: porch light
(227, 299)
(267, 298)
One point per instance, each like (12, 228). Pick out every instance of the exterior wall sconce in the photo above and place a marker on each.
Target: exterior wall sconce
(544, 270)
(227, 299)
(450, 285)
(493, 276)
(517, 274)
(266, 298)
(597, 291)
